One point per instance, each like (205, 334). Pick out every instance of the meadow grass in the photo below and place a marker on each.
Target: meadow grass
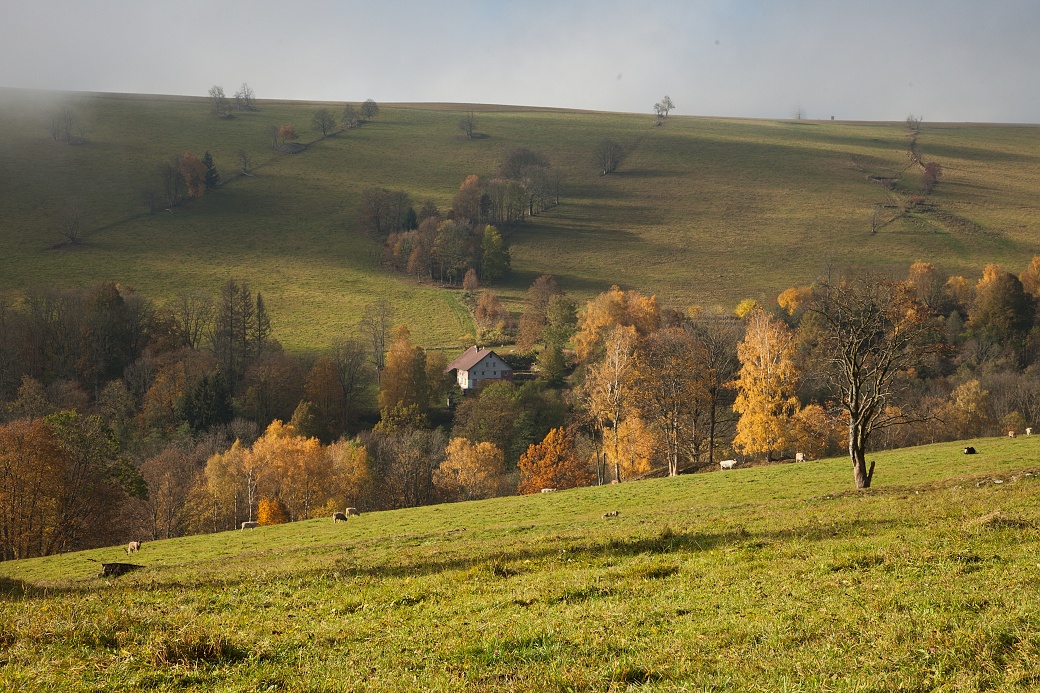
(775, 578)
(702, 211)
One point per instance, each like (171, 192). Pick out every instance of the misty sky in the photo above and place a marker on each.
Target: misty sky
(952, 60)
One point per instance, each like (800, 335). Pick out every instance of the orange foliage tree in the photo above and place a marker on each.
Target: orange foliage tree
(194, 173)
(271, 511)
(553, 463)
(287, 133)
(32, 465)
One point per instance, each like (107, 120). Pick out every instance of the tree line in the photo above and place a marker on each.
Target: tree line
(122, 417)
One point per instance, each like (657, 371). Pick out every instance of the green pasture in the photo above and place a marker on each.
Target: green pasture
(775, 578)
(706, 211)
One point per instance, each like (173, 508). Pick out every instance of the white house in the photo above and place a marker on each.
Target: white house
(476, 365)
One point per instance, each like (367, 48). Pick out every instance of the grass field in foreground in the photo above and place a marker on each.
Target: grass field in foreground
(702, 210)
(765, 579)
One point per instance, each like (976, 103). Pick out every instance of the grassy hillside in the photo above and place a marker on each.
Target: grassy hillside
(702, 210)
(763, 579)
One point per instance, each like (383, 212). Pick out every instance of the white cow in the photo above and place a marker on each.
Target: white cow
(728, 464)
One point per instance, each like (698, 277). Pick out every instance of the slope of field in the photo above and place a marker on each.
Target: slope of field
(763, 579)
(702, 210)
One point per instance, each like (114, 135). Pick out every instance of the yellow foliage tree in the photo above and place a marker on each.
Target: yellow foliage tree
(271, 511)
(817, 433)
(634, 449)
(765, 386)
(1030, 278)
(404, 378)
(470, 470)
(607, 390)
(610, 308)
(352, 478)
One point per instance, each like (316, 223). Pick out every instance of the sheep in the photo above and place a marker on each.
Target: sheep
(133, 547)
(252, 524)
(336, 517)
(728, 464)
(612, 513)
(548, 490)
(353, 511)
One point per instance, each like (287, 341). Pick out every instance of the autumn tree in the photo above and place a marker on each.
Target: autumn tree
(324, 121)
(636, 451)
(874, 334)
(469, 282)
(666, 105)
(170, 475)
(470, 471)
(404, 380)
(490, 315)
(466, 203)
(511, 416)
(324, 390)
(614, 307)
(351, 360)
(1003, 313)
(765, 386)
(271, 511)
(271, 387)
(536, 302)
(351, 477)
(553, 463)
(33, 463)
(671, 392)
(287, 133)
(609, 388)
(193, 171)
(1030, 278)
(718, 337)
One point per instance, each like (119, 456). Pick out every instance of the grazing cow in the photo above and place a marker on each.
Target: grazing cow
(799, 457)
(1029, 431)
(252, 524)
(337, 517)
(728, 464)
(1011, 434)
(612, 513)
(133, 547)
(969, 451)
(548, 490)
(353, 511)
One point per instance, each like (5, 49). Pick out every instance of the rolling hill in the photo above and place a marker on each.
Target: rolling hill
(702, 210)
(768, 578)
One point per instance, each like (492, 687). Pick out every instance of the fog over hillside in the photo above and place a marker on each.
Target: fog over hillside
(956, 60)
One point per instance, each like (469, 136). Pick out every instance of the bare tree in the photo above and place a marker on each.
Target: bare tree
(351, 118)
(324, 121)
(468, 124)
(369, 109)
(193, 312)
(63, 123)
(245, 99)
(913, 123)
(376, 324)
(219, 103)
(609, 154)
(873, 334)
(70, 222)
(667, 105)
(246, 160)
(799, 113)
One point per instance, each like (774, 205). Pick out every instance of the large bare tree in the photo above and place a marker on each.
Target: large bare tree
(873, 334)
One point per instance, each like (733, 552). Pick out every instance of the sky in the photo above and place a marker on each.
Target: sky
(942, 60)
